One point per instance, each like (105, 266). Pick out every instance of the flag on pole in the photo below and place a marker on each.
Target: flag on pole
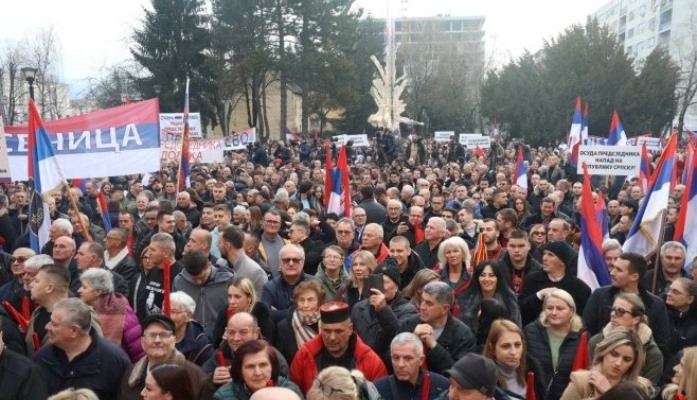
(584, 125)
(591, 265)
(479, 253)
(644, 173)
(106, 218)
(645, 233)
(340, 196)
(184, 176)
(686, 224)
(290, 135)
(689, 162)
(328, 173)
(47, 177)
(616, 137)
(521, 178)
(494, 129)
(575, 134)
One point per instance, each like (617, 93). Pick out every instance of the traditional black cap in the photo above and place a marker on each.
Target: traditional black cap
(475, 372)
(389, 268)
(160, 319)
(334, 312)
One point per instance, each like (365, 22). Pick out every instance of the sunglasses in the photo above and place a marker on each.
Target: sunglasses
(620, 312)
(289, 260)
(18, 259)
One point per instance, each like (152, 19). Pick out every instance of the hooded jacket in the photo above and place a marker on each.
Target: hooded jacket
(210, 298)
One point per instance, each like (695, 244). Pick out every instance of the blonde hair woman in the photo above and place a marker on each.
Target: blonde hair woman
(553, 339)
(628, 311)
(337, 383)
(362, 265)
(617, 358)
(453, 265)
(685, 378)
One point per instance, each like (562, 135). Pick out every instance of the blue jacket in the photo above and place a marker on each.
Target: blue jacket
(407, 391)
(279, 295)
(195, 345)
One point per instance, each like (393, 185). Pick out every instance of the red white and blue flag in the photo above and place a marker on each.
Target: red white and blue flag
(47, 177)
(291, 135)
(184, 177)
(645, 234)
(644, 170)
(340, 196)
(686, 224)
(521, 178)
(616, 136)
(591, 264)
(584, 125)
(575, 134)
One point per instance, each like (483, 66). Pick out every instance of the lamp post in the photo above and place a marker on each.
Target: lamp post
(29, 74)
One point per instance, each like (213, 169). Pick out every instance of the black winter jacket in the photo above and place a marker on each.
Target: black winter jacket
(531, 306)
(20, 378)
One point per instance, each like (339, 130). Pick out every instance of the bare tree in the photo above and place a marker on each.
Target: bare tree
(45, 56)
(13, 56)
(686, 58)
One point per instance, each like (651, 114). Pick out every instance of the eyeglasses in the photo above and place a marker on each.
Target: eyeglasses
(154, 335)
(332, 257)
(538, 233)
(620, 312)
(270, 222)
(290, 260)
(327, 390)
(177, 311)
(358, 216)
(18, 259)
(343, 233)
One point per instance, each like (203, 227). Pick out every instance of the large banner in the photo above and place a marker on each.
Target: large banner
(117, 141)
(472, 140)
(358, 140)
(4, 162)
(201, 151)
(172, 124)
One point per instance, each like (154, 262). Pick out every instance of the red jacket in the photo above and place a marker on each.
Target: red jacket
(303, 369)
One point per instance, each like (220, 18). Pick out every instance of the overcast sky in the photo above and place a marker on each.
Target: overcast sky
(94, 34)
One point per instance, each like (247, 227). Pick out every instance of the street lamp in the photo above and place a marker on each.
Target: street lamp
(29, 74)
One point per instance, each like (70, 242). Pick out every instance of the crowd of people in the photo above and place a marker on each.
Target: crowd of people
(447, 281)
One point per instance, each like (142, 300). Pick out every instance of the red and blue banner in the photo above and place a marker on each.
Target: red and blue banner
(575, 134)
(121, 140)
(591, 263)
(340, 196)
(686, 224)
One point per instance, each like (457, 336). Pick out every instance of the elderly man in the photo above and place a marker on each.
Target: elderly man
(299, 233)
(337, 344)
(389, 308)
(77, 356)
(201, 240)
(206, 284)
(90, 255)
(271, 241)
(116, 257)
(231, 245)
(158, 342)
(407, 357)
(59, 227)
(446, 338)
(346, 238)
(394, 217)
(147, 289)
(14, 288)
(433, 237)
(671, 268)
(242, 327)
(278, 292)
(189, 209)
(372, 242)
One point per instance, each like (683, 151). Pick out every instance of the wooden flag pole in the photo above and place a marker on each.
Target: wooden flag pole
(661, 237)
(73, 205)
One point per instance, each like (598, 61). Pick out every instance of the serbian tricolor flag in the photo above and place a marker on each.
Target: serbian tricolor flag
(340, 195)
(689, 162)
(644, 170)
(479, 253)
(290, 135)
(591, 265)
(645, 234)
(184, 176)
(47, 177)
(616, 137)
(582, 358)
(584, 125)
(328, 173)
(106, 218)
(686, 224)
(521, 178)
(575, 134)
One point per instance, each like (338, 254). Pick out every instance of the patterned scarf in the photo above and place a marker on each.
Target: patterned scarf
(302, 327)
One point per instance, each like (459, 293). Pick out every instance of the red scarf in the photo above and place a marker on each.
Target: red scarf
(418, 234)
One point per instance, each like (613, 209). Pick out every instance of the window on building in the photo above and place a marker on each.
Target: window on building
(630, 34)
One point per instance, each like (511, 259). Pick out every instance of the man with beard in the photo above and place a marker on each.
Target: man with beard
(490, 230)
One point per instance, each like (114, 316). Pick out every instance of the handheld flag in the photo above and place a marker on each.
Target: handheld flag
(530, 388)
(340, 196)
(290, 135)
(584, 125)
(644, 173)
(616, 137)
(575, 134)
(106, 219)
(582, 358)
(686, 224)
(479, 253)
(521, 178)
(328, 173)
(645, 233)
(47, 177)
(184, 175)
(591, 265)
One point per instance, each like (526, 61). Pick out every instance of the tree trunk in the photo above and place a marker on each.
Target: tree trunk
(267, 127)
(282, 65)
(247, 104)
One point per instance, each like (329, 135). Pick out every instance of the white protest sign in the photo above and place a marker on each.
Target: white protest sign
(201, 151)
(610, 160)
(240, 140)
(358, 140)
(652, 144)
(472, 140)
(443, 136)
(4, 161)
(172, 124)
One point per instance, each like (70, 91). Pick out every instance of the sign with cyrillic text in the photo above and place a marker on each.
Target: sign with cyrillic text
(201, 151)
(609, 160)
(116, 141)
(443, 136)
(358, 140)
(172, 124)
(472, 140)
(240, 140)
